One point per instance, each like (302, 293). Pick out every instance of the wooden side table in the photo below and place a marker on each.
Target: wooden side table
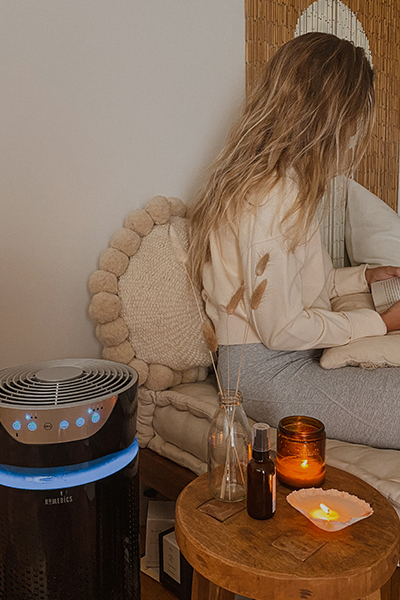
(287, 557)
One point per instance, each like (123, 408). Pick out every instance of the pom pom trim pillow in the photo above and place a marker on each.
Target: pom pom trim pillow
(145, 311)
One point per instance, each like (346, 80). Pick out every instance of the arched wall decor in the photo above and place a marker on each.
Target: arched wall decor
(371, 24)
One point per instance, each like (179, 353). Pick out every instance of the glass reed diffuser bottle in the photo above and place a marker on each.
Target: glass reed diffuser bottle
(229, 446)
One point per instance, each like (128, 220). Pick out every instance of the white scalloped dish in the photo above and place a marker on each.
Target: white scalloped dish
(330, 510)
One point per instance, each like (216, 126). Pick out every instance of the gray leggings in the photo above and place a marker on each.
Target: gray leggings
(356, 405)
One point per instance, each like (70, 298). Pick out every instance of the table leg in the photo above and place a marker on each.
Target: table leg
(202, 589)
(375, 596)
(390, 591)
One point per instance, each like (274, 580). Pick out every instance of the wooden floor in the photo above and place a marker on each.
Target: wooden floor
(152, 590)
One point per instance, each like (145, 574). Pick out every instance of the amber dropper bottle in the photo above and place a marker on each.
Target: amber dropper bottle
(261, 477)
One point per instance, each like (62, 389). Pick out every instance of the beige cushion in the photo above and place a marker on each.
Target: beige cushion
(146, 312)
(369, 353)
(174, 423)
(372, 229)
(158, 305)
(372, 237)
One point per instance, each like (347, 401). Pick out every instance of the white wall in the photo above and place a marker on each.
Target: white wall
(103, 104)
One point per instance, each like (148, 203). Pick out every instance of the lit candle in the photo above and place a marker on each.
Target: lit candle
(300, 460)
(299, 472)
(325, 513)
(330, 510)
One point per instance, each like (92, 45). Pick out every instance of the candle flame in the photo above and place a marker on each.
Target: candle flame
(325, 509)
(304, 464)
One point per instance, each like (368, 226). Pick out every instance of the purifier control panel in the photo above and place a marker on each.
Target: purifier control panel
(56, 424)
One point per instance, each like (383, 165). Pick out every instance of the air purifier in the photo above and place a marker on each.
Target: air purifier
(69, 491)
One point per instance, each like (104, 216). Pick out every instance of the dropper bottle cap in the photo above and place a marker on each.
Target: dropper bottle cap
(261, 441)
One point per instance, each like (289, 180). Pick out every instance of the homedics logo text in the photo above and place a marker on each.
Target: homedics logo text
(62, 499)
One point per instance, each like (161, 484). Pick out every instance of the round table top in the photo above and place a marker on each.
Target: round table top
(288, 556)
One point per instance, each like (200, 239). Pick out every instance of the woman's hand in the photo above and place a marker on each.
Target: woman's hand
(391, 317)
(381, 273)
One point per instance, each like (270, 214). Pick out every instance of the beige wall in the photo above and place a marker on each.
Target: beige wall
(103, 104)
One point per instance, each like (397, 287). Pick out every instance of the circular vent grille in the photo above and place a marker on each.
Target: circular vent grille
(61, 382)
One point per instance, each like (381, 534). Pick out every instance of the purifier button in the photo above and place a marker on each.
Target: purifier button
(17, 425)
(80, 422)
(64, 424)
(95, 417)
(48, 426)
(32, 426)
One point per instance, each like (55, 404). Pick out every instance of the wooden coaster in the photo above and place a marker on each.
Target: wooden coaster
(221, 510)
(301, 546)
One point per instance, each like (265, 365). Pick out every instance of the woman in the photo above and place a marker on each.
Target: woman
(258, 219)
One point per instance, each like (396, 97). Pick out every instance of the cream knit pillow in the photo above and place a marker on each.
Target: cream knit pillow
(372, 229)
(143, 305)
(369, 353)
(372, 237)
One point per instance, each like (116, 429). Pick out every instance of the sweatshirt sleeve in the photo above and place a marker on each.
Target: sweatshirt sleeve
(283, 320)
(348, 280)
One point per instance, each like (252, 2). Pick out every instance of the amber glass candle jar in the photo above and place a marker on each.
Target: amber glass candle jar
(301, 444)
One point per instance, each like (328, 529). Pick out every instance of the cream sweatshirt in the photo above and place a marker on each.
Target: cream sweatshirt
(295, 310)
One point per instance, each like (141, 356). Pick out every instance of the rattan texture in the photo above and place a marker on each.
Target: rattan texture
(269, 24)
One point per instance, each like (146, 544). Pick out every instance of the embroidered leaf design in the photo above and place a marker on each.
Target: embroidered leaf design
(257, 295)
(234, 301)
(262, 263)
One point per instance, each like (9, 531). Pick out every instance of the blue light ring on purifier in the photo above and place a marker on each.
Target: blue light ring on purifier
(57, 478)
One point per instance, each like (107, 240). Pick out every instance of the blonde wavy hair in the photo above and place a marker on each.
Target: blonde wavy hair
(312, 113)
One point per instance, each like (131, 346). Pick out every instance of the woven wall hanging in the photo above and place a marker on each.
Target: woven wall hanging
(368, 23)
